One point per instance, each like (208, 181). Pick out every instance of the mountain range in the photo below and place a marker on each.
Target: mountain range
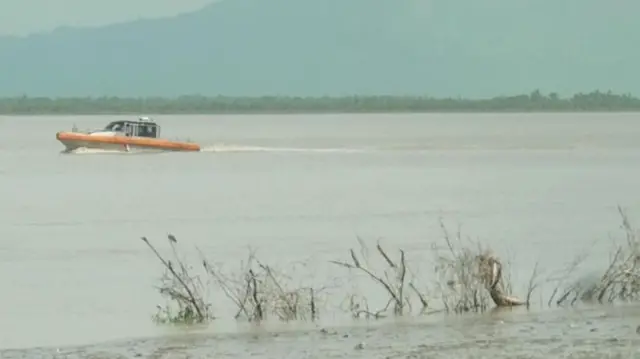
(438, 48)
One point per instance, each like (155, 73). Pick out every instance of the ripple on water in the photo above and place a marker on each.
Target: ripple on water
(586, 333)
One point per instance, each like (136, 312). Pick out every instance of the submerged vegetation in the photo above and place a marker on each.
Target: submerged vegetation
(465, 278)
(258, 291)
(619, 282)
(533, 102)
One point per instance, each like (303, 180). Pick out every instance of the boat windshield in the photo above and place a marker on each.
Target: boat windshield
(115, 126)
(142, 128)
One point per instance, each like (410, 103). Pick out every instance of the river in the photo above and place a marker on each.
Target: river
(538, 187)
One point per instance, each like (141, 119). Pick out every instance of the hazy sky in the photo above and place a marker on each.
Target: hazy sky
(20, 17)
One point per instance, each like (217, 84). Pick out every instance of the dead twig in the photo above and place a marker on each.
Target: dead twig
(395, 288)
(620, 281)
(181, 288)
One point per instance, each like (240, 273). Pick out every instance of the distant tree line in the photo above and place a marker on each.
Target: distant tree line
(533, 102)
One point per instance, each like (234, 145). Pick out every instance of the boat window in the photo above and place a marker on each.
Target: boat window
(115, 126)
(148, 131)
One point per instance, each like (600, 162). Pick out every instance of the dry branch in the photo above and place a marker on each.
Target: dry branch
(470, 279)
(395, 288)
(261, 291)
(180, 287)
(620, 281)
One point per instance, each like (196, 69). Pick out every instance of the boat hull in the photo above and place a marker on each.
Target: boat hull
(73, 141)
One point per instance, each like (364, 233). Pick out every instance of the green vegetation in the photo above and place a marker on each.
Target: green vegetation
(534, 102)
(465, 278)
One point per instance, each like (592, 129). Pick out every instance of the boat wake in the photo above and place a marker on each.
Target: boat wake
(223, 148)
(239, 148)
(92, 151)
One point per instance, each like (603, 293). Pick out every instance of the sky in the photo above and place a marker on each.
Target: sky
(21, 17)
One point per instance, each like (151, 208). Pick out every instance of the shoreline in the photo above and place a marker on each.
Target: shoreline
(315, 113)
(535, 102)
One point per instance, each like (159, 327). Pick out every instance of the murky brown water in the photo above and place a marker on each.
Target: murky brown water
(78, 282)
(586, 333)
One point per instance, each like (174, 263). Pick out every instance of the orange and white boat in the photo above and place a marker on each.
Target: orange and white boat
(142, 134)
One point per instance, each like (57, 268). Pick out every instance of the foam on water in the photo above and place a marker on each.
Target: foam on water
(97, 151)
(93, 151)
(241, 148)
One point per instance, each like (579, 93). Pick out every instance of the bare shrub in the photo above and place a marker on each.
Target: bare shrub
(393, 280)
(181, 288)
(620, 282)
(562, 277)
(260, 291)
(470, 277)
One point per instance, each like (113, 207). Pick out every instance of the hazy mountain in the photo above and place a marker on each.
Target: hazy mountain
(317, 47)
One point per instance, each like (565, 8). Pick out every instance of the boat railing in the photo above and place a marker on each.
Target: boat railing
(75, 129)
(86, 131)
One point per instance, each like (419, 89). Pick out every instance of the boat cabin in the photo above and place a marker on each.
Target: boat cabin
(143, 127)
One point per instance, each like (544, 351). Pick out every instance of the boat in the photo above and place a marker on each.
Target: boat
(127, 135)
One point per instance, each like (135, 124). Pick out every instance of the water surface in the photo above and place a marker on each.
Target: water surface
(539, 187)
